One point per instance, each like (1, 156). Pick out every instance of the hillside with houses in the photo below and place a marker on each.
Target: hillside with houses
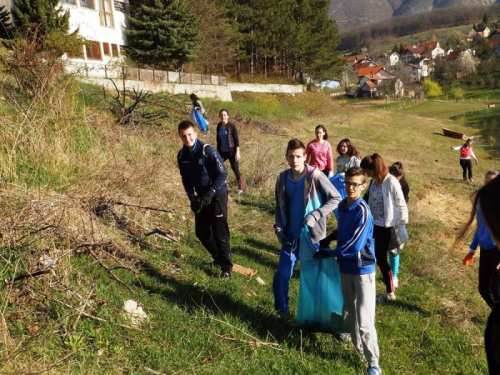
(400, 71)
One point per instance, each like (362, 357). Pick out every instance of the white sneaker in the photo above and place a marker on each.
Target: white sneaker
(395, 282)
(239, 192)
(384, 297)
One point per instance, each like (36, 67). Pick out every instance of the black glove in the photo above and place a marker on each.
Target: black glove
(321, 254)
(205, 201)
(325, 242)
(196, 205)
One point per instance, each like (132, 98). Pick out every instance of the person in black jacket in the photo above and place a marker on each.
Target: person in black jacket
(204, 179)
(228, 145)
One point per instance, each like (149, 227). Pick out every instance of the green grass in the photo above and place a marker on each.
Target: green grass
(199, 324)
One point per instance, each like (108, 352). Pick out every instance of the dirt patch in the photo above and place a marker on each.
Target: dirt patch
(447, 208)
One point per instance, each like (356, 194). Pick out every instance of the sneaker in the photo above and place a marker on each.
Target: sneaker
(373, 370)
(471, 180)
(395, 282)
(239, 192)
(384, 297)
(225, 275)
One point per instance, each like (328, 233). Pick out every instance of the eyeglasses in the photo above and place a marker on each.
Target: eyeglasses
(353, 185)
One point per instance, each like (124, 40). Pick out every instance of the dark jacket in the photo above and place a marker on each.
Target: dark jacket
(406, 189)
(202, 170)
(232, 136)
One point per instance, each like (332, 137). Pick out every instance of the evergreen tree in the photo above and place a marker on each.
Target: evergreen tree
(48, 14)
(162, 33)
(217, 37)
(317, 40)
(5, 24)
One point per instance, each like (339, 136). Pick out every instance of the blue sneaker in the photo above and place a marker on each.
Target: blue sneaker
(373, 370)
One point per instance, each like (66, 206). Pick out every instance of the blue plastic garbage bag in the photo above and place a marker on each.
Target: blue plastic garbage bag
(338, 181)
(199, 121)
(320, 292)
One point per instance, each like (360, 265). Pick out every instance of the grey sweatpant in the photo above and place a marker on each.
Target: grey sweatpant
(359, 314)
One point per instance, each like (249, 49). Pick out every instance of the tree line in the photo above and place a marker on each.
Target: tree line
(357, 38)
(265, 37)
(288, 38)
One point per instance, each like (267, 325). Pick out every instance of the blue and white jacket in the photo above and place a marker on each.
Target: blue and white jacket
(355, 247)
(202, 170)
(482, 237)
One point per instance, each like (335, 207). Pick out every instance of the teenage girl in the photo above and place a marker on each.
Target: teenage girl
(397, 171)
(319, 152)
(465, 154)
(389, 210)
(487, 199)
(228, 145)
(348, 156)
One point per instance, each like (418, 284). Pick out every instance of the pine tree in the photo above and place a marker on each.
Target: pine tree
(485, 20)
(5, 24)
(317, 41)
(217, 37)
(48, 14)
(162, 33)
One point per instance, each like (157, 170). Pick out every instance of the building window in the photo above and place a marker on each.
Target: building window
(120, 6)
(87, 4)
(71, 2)
(106, 14)
(107, 49)
(115, 50)
(93, 50)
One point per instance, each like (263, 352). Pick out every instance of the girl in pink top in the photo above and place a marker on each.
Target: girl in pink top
(319, 152)
(466, 154)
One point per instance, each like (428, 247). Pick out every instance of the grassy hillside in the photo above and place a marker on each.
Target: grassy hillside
(86, 192)
(379, 46)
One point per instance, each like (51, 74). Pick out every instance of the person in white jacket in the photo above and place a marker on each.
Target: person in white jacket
(389, 210)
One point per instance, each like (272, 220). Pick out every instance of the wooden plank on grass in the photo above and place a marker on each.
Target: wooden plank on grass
(243, 270)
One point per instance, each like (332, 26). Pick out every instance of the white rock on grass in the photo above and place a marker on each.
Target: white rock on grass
(260, 281)
(135, 312)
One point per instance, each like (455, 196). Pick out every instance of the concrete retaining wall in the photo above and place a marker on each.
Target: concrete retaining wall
(202, 91)
(270, 88)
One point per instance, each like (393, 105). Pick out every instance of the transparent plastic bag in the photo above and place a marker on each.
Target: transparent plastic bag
(320, 293)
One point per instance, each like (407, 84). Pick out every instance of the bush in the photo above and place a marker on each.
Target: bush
(456, 93)
(432, 89)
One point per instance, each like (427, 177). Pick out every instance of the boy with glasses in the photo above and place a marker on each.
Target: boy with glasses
(356, 257)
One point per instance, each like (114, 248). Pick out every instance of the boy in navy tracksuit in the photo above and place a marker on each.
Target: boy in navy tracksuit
(204, 178)
(355, 255)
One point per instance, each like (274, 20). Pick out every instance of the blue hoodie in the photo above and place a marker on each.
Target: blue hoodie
(482, 237)
(355, 247)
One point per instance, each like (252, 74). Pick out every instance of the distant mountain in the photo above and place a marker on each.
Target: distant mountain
(355, 13)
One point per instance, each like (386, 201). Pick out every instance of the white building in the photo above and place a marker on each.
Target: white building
(101, 22)
(437, 52)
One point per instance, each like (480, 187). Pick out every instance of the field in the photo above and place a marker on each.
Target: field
(101, 176)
